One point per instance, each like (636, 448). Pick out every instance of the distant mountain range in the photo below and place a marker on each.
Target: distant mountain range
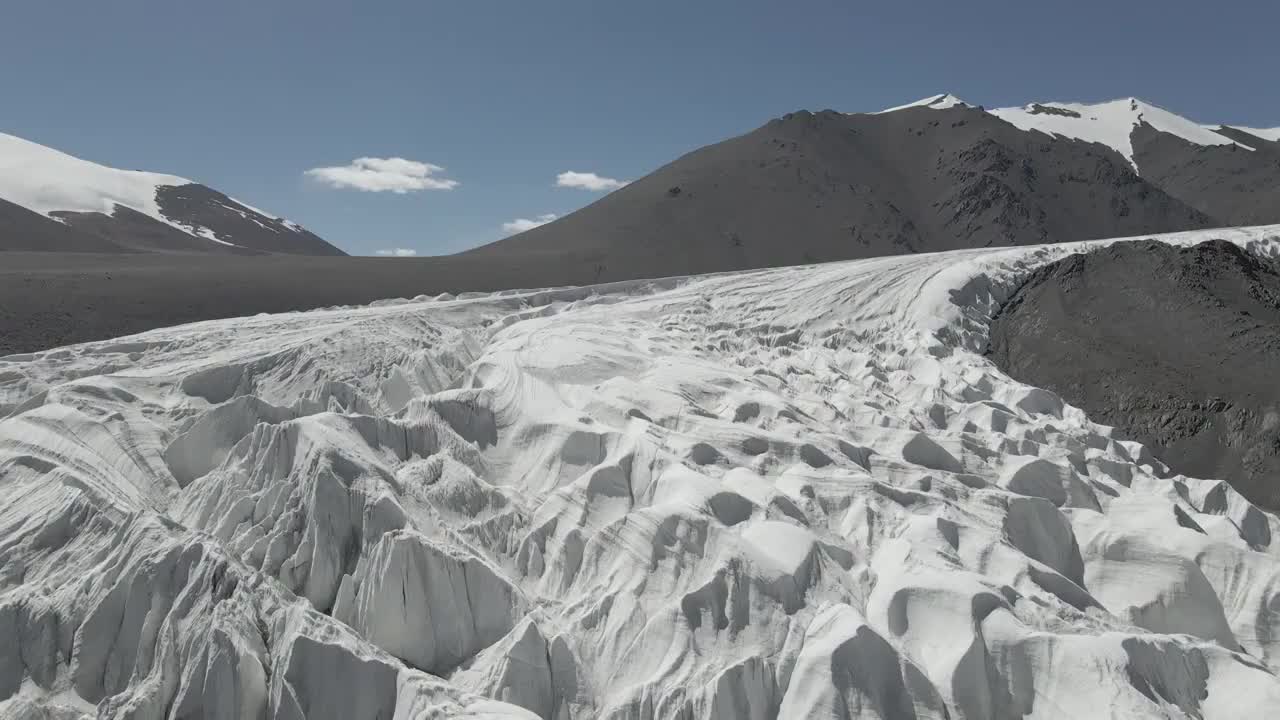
(51, 201)
(937, 174)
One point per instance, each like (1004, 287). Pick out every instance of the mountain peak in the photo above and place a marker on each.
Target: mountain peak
(935, 102)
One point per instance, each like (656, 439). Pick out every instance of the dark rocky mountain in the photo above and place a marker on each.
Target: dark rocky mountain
(1233, 185)
(199, 206)
(937, 175)
(1175, 347)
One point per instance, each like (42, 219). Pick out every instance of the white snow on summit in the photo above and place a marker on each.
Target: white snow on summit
(1110, 123)
(936, 102)
(46, 181)
(799, 492)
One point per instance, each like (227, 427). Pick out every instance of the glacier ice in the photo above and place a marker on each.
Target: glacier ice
(797, 492)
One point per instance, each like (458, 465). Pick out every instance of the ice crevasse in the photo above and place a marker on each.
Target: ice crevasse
(786, 493)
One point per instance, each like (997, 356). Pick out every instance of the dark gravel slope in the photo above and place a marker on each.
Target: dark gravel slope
(24, 230)
(1175, 347)
(53, 299)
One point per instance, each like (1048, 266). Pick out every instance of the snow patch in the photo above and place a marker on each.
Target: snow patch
(935, 102)
(45, 180)
(295, 227)
(1109, 123)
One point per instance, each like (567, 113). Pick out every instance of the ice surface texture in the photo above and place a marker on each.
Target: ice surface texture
(796, 493)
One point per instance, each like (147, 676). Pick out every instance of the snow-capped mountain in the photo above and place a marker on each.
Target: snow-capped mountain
(935, 174)
(106, 209)
(1230, 173)
(788, 493)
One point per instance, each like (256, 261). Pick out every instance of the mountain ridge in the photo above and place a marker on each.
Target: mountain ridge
(936, 174)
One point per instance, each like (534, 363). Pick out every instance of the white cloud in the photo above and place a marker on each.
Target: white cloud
(398, 252)
(395, 175)
(587, 181)
(519, 225)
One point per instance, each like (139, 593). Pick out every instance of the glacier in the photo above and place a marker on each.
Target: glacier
(784, 493)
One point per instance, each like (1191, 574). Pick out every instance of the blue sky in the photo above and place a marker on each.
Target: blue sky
(246, 96)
